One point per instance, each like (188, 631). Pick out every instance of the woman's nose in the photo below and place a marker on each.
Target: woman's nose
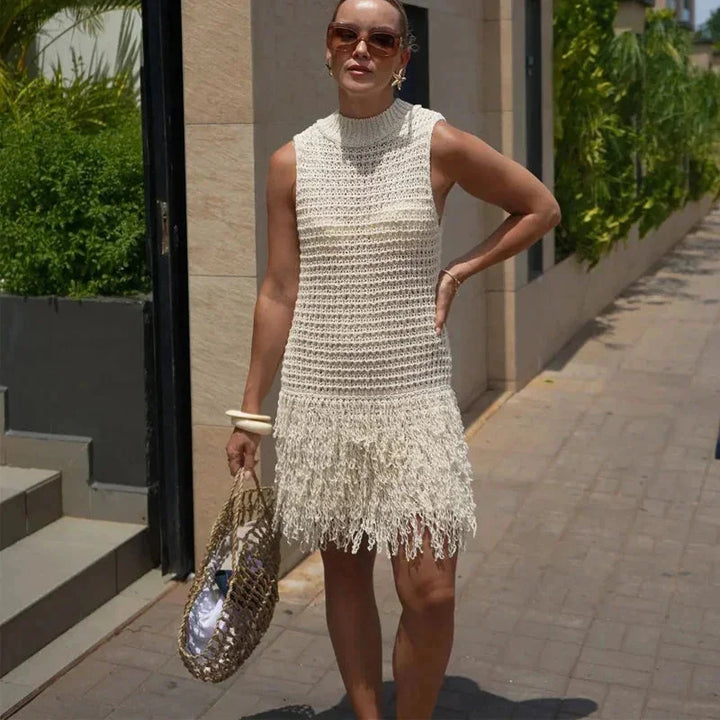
(361, 48)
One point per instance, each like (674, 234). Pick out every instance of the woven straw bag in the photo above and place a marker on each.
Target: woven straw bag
(233, 622)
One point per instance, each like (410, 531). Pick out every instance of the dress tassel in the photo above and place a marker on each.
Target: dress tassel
(388, 467)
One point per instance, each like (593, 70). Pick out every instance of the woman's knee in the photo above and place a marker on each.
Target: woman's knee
(434, 597)
(425, 584)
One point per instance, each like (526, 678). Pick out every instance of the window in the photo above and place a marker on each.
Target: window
(685, 14)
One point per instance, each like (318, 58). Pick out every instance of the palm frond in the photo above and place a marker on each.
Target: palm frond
(21, 21)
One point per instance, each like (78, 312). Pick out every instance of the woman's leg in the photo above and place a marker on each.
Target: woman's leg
(426, 589)
(354, 626)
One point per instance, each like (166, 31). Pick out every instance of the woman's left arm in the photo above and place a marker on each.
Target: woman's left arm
(462, 158)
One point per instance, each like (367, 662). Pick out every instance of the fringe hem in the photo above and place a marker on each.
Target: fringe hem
(384, 468)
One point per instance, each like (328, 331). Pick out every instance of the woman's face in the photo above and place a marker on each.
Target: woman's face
(359, 70)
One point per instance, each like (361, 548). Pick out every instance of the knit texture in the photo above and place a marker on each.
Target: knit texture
(368, 432)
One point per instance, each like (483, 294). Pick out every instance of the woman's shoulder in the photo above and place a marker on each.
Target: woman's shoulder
(283, 160)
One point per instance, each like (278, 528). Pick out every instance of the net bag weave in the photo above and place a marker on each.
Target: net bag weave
(219, 630)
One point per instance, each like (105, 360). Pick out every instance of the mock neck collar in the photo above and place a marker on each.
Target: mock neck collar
(356, 132)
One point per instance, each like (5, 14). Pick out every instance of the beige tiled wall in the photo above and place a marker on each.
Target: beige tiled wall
(219, 116)
(220, 203)
(217, 64)
(505, 113)
(501, 40)
(457, 84)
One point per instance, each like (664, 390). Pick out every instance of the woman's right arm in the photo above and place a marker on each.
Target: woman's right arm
(275, 303)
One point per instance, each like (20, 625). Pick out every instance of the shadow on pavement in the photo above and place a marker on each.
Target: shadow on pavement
(460, 697)
(660, 284)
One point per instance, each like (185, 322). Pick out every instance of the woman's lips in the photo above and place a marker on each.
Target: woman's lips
(358, 70)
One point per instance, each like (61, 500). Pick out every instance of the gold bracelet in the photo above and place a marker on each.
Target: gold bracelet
(455, 280)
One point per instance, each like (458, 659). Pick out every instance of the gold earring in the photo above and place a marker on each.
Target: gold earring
(329, 69)
(398, 78)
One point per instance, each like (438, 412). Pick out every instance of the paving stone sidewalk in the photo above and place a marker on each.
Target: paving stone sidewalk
(592, 588)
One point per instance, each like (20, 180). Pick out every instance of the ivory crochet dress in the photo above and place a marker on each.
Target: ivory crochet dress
(368, 433)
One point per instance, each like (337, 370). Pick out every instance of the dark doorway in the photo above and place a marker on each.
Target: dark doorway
(416, 88)
(533, 117)
(170, 454)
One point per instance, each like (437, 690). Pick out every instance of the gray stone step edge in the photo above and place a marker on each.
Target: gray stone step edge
(30, 678)
(29, 508)
(72, 598)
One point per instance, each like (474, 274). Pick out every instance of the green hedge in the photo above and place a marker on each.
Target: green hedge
(637, 126)
(71, 192)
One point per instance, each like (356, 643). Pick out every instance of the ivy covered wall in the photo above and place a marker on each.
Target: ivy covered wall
(637, 125)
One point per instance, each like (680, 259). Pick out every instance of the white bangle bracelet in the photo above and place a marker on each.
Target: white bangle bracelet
(254, 426)
(242, 415)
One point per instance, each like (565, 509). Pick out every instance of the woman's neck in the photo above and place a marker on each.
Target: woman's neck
(354, 106)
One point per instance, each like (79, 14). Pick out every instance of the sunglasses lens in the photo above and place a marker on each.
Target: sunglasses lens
(344, 37)
(384, 42)
(340, 37)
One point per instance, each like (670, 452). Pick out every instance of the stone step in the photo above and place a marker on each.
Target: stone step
(53, 578)
(30, 499)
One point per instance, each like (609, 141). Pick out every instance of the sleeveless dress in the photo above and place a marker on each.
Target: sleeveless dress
(368, 433)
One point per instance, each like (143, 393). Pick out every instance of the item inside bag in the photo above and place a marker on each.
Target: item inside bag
(222, 580)
(204, 616)
(207, 609)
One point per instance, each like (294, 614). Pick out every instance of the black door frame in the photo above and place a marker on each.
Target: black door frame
(170, 452)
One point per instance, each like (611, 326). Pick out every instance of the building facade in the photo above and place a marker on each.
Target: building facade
(684, 10)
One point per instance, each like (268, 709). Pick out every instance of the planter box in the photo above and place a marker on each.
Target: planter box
(80, 370)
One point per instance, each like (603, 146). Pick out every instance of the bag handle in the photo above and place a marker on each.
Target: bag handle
(237, 506)
(237, 484)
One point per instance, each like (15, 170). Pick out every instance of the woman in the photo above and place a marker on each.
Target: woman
(369, 439)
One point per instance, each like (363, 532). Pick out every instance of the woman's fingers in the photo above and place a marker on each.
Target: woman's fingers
(241, 449)
(440, 316)
(234, 464)
(444, 294)
(249, 455)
